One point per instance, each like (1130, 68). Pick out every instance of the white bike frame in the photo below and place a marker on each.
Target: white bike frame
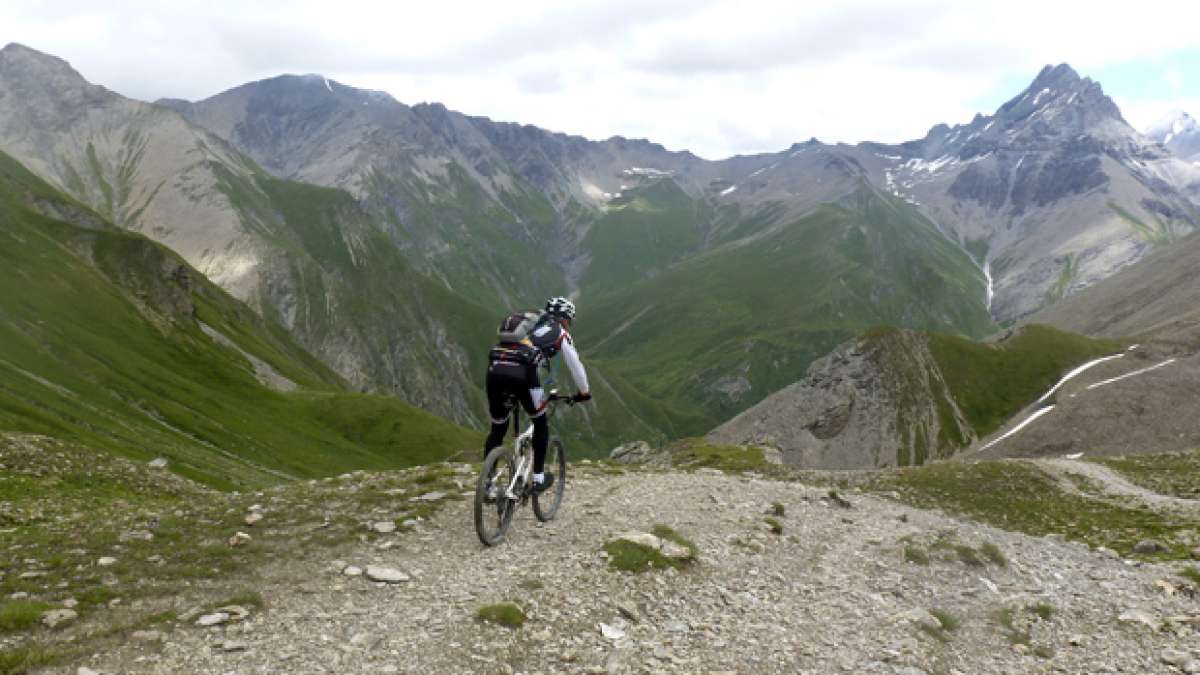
(524, 448)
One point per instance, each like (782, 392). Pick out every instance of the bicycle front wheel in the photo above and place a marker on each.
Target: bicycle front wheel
(493, 510)
(545, 504)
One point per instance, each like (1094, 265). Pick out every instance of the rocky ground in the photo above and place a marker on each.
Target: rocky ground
(858, 584)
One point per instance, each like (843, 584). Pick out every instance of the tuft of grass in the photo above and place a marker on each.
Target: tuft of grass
(23, 659)
(18, 615)
(243, 599)
(778, 509)
(507, 614)
(1192, 574)
(775, 525)
(637, 558)
(1006, 618)
(915, 554)
(948, 621)
(1043, 610)
(993, 553)
(666, 532)
(532, 584)
(630, 557)
(968, 556)
(838, 499)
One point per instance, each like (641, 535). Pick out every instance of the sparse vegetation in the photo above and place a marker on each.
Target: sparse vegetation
(20, 660)
(632, 557)
(948, 621)
(1176, 474)
(697, 454)
(1192, 574)
(774, 525)
(666, 532)
(507, 614)
(993, 553)
(838, 499)
(532, 584)
(946, 624)
(778, 509)
(915, 554)
(1017, 496)
(18, 615)
(1043, 610)
(1006, 617)
(968, 556)
(165, 533)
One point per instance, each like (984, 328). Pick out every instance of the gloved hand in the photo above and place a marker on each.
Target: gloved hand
(582, 397)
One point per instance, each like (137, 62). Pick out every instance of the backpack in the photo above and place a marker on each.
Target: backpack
(517, 326)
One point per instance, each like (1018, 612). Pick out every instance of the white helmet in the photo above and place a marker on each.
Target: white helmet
(560, 307)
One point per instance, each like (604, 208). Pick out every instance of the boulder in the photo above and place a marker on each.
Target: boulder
(386, 574)
(637, 452)
(59, 617)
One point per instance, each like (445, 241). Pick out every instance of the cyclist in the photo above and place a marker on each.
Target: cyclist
(512, 376)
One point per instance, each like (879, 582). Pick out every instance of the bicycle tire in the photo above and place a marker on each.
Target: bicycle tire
(492, 520)
(545, 505)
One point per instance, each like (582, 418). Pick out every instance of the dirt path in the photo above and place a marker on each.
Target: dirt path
(1114, 484)
(833, 593)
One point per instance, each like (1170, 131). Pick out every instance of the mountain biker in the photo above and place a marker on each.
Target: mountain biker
(512, 376)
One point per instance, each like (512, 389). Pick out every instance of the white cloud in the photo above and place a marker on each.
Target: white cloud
(715, 77)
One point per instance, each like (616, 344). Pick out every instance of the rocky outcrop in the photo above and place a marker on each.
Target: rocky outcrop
(875, 401)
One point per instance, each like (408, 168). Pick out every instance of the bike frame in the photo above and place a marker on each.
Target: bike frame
(523, 445)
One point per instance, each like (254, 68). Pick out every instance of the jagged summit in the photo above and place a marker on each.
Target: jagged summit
(1062, 75)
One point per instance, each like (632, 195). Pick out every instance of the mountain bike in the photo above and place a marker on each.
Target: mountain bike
(506, 480)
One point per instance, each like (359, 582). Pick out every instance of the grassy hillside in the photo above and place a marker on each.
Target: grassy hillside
(991, 382)
(718, 332)
(101, 342)
(641, 233)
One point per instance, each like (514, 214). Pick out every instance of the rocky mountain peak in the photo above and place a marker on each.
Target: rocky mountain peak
(27, 67)
(1062, 76)
(1059, 92)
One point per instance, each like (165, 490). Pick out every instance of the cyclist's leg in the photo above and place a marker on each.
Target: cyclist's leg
(534, 401)
(499, 408)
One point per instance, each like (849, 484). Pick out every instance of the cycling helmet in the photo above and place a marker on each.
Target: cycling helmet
(560, 307)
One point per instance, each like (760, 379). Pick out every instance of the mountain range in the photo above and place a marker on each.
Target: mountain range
(387, 238)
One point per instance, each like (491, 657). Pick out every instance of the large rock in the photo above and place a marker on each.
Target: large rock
(389, 575)
(636, 452)
(59, 617)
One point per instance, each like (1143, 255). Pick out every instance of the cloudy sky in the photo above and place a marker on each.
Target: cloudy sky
(718, 78)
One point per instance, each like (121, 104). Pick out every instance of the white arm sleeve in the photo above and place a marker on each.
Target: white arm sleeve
(572, 358)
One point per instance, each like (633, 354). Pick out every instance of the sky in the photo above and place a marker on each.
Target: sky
(717, 78)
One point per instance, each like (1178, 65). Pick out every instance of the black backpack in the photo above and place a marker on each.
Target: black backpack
(517, 326)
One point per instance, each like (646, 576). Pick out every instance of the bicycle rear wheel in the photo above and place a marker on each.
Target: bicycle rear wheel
(545, 504)
(492, 518)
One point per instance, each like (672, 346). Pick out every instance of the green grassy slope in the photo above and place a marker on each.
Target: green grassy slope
(760, 312)
(100, 343)
(992, 382)
(640, 233)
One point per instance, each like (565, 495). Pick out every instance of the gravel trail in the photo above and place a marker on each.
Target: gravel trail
(832, 593)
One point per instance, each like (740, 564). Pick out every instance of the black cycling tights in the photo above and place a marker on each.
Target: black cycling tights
(541, 438)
